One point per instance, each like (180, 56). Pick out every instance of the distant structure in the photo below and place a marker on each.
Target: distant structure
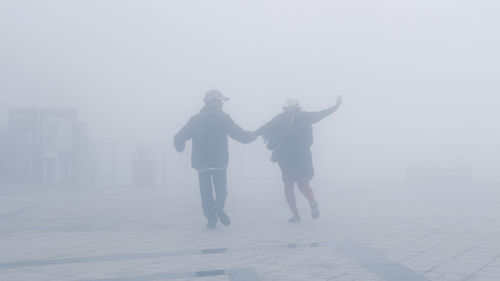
(3, 153)
(137, 164)
(144, 167)
(46, 146)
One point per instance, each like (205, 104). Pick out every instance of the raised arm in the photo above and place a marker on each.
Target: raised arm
(184, 134)
(318, 115)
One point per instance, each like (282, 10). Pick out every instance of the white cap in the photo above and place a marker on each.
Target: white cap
(214, 95)
(291, 102)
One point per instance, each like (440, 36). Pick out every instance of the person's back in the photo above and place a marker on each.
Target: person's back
(210, 144)
(290, 136)
(292, 129)
(209, 131)
(300, 134)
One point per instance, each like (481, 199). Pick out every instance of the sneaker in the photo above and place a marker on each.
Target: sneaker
(314, 210)
(211, 223)
(223, 217)
(294, 219)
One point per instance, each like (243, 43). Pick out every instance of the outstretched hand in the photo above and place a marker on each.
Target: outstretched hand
(339, 101)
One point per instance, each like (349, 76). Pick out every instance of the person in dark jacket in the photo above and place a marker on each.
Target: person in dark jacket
(209, 131)
(290, 136)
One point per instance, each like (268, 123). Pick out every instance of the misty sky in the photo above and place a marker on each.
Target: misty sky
(411, 72)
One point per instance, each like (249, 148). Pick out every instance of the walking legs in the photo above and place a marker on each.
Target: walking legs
(290, 198)
(308, 193)
(213, 209)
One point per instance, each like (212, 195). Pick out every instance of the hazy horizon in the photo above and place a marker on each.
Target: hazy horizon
(412, 73)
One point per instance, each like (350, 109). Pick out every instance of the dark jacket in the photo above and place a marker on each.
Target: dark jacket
(209, 130)
(300, 135)
(293, 152)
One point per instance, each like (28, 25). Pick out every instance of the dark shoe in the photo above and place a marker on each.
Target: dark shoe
(223, 217)
(314, 210)
(294, 219)
(211, 223)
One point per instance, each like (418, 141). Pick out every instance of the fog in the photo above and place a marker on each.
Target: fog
(413, 74)
(408, 166)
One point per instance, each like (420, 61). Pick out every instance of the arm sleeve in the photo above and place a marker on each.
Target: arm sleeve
(315, 117)
(184, 134)
(238, 134)
(264, 129)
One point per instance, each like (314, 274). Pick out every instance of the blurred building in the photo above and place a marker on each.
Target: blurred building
(3, 153)
(46, 146)
(129, 164)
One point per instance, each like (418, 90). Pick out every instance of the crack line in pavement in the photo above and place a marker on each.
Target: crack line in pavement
(15, 212)
(243, 274)
(386, 269)
(121, 257)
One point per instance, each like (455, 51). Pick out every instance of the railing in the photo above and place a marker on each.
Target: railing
(145, 164)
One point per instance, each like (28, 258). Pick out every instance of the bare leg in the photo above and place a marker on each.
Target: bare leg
(290, 198)
(306, 190)
(309, 194)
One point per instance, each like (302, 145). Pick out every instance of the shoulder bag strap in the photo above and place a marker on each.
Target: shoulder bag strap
(292, 120)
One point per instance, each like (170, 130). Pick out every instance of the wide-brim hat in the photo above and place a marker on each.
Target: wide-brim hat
(214, 94)
(291, 102)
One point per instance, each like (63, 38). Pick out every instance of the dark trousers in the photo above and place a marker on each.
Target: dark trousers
(211, 180)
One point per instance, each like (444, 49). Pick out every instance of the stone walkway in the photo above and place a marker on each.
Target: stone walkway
(366, 232)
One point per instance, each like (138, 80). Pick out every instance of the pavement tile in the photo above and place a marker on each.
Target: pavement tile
(91, 234)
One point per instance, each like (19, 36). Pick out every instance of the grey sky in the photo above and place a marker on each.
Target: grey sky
(412, 72)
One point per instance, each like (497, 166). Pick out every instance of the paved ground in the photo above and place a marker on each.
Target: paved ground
(367, 231)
